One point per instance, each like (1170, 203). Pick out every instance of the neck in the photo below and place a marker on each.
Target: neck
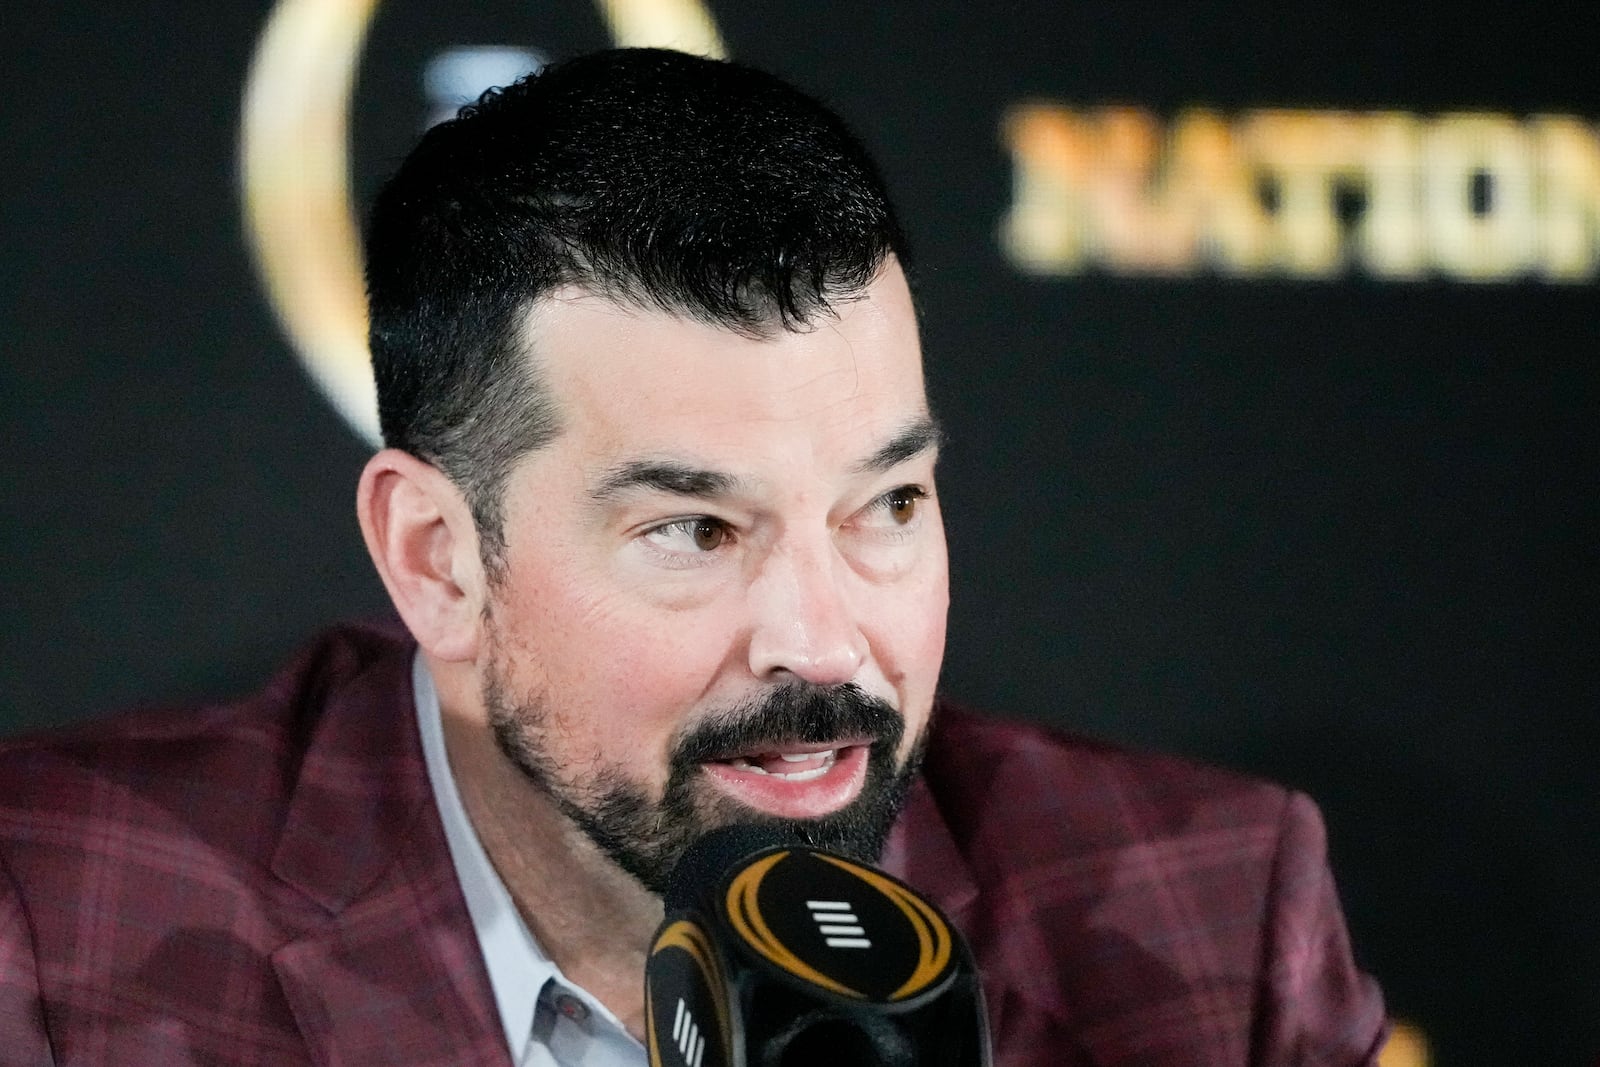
(589, 916)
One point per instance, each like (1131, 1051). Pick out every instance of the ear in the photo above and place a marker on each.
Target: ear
(421, 536)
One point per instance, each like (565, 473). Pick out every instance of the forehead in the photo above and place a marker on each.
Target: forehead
(630, 379)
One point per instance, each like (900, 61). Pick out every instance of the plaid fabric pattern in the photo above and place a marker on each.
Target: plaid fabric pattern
(1128, 908)
(267, 883)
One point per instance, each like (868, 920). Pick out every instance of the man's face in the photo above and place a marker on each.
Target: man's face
(725, 583)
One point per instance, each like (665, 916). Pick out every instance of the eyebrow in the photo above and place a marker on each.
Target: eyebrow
(679, 479)
(683, 479)
(919, 437)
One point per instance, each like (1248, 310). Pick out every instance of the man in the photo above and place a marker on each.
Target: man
(658, 512)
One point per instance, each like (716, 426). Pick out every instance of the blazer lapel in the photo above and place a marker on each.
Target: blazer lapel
(391, 971)
(922, 852)
(395, 978)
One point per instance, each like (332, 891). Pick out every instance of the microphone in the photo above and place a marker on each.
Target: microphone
(777, 954)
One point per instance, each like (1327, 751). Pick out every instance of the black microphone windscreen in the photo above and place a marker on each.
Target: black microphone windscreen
(713, 855)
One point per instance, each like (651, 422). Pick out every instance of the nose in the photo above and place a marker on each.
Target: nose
(803, 623)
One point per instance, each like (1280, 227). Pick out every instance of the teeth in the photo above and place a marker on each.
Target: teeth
(806, 776)
(824, 760)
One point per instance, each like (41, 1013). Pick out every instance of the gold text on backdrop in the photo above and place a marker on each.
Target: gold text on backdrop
(1476, 197)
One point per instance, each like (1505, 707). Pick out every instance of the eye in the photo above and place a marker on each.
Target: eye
(901, 504)
(700, 533)
(707, 533)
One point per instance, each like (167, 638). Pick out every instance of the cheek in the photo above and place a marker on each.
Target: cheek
(614, 671)
(911, 632)
(929, 608)
(666, 671)
(928, 652)
(648, 681)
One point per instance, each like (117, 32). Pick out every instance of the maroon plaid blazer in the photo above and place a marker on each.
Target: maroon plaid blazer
(267, 883)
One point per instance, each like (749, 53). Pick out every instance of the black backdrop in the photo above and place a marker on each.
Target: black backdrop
(1339, 532)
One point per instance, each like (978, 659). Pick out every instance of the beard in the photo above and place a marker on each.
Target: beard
(646, 837)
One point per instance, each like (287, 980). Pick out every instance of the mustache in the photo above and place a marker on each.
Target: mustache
(799, 713)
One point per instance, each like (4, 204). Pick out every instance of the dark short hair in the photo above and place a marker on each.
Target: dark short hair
(695, 186)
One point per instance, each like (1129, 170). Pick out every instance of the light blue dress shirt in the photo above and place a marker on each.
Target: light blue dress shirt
(549, 1021)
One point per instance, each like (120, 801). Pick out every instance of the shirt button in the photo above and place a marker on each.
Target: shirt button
(571, 1007)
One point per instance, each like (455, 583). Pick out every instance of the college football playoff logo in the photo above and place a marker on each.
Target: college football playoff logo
(294, 173)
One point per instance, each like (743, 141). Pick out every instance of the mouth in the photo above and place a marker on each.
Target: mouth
(794, 781)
